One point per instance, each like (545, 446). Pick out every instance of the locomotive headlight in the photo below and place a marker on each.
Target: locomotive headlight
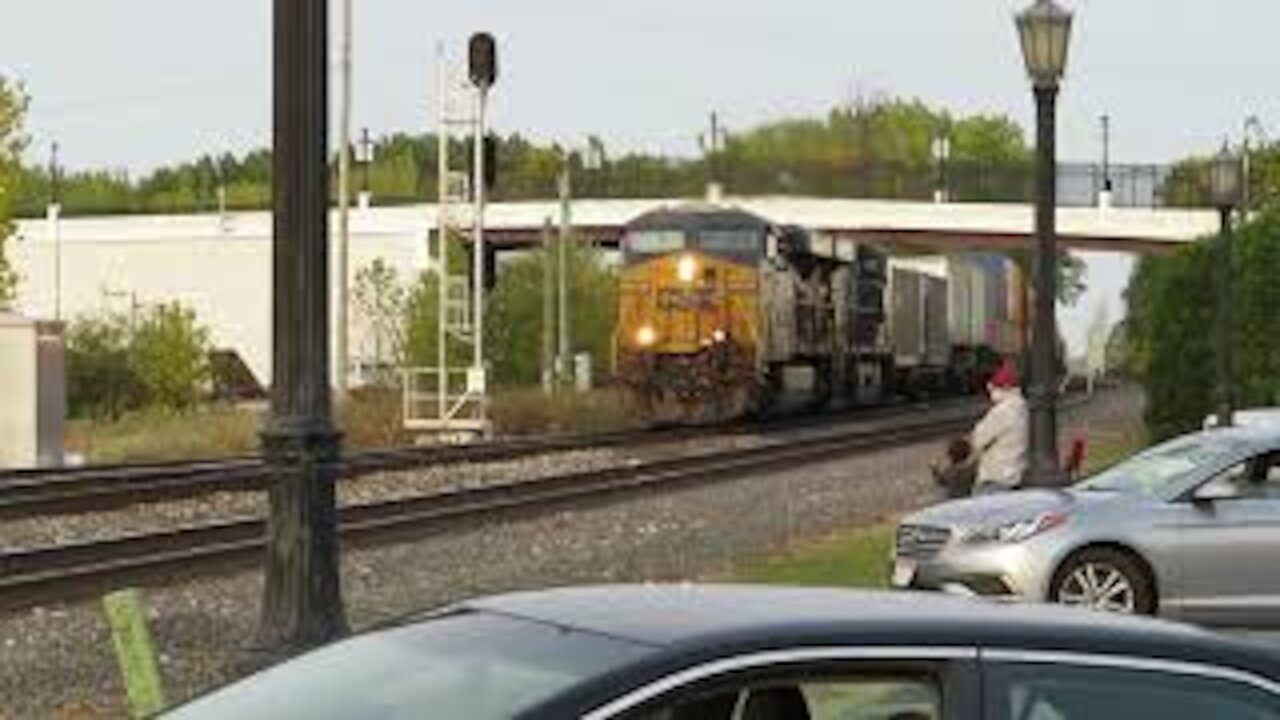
(687, 268)
(646, 336)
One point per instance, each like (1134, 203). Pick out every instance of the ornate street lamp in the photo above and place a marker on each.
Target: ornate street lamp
(1045, 32)
(1225, 185)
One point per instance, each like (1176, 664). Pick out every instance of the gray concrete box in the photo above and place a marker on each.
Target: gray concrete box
(32, 392)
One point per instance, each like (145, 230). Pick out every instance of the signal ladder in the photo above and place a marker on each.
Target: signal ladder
(449, 400)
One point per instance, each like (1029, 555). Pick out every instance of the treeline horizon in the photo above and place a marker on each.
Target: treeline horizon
(881, 149)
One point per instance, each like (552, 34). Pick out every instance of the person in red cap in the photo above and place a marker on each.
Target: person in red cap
(1000, 438)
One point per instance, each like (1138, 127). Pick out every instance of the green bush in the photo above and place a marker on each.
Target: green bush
(101, 382)
(169, 354)
(117, 364)
(1169, 332)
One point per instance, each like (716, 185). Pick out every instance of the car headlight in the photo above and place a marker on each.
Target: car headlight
(719, 336)
(1016, 532)
(646, 336)
(687, 268)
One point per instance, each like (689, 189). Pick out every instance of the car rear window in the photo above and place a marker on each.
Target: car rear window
(477, 666)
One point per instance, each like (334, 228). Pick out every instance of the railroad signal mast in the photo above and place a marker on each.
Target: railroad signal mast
(449, 402)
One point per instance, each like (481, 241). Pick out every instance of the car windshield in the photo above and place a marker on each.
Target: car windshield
(1152, 472)
(477, 666)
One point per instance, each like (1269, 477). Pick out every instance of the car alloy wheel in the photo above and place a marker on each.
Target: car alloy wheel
(1098, 586)
(1105, 579)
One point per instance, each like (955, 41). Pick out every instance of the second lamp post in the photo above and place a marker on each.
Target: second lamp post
(1045, 31)
(1225, 183)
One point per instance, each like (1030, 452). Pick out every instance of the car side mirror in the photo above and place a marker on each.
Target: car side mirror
(1216, 491)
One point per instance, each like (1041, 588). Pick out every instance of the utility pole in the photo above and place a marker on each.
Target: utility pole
(566, 224)
(1106, 162)
(302, 598)
(222, 188)
(366, 167)
(548, 310)
(711, 146)
(55, 226)
(344, 200)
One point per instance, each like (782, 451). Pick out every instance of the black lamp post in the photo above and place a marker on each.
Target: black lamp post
(302, 598)
(1225, 182)
(1045, 30)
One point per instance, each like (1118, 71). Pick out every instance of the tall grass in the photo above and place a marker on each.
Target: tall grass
(368, 418)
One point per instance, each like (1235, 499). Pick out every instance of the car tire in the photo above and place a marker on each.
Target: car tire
(1104, 579)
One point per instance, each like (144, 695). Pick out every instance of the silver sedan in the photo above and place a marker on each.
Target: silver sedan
(1188, 529)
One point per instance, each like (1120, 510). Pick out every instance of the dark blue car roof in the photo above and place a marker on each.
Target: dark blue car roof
(734, 616)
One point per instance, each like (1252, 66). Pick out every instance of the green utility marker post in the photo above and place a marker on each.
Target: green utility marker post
(135, 653)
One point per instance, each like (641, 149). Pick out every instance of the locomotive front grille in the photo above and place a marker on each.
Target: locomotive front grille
(921, 542)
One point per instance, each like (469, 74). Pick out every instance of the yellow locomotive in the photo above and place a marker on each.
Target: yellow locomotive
(723, 313)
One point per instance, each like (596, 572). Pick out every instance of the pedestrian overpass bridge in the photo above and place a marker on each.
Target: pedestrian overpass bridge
(220, 265)
(905, 224)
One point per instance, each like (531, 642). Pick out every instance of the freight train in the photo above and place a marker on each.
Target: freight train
(723, 313)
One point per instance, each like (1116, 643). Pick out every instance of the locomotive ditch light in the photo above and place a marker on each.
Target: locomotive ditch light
(687, 269)
(646, 336)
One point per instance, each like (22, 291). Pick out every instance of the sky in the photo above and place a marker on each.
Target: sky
(134, 84)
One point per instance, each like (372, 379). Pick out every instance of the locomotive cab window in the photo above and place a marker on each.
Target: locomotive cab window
(640, 244)
(746, 245)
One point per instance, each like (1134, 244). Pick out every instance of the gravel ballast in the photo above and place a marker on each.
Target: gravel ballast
(58, 663)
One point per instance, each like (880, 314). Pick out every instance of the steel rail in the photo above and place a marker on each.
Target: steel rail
(79, 570)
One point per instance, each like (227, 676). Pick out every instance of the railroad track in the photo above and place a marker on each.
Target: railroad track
(32, 493)
(74, 571)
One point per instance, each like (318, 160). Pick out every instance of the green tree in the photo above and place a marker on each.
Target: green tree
(1170, 345)
(380, 301)
(1119, 352)
(169, 354)
(515, 312)
(879, 148)
(13, 109)
(1187, 184)
(1072, 273)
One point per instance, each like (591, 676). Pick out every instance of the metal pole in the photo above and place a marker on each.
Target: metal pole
(55, 222)
(442, 239)
(478, 248)
(344, 200)
(548, 310)
(1106, 153)
(715, 149)
(366, 145)
(1222, 321)
(1044, 388)
(562, 274)
(302, 601)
